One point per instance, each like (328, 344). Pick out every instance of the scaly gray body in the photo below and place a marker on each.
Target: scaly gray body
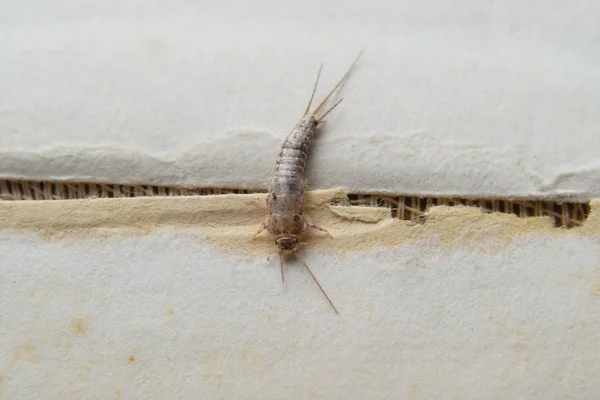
(287, 221)
(285, 201)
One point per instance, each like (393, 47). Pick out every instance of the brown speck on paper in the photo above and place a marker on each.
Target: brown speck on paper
(80, 326)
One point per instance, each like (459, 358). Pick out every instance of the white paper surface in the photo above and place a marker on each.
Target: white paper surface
(451, 98)
(463, 98)
(167, 315)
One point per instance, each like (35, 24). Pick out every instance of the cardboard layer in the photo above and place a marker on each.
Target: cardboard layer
(229, 221)
(481, 100)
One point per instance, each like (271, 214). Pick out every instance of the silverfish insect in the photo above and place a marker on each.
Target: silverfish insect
(287, 220)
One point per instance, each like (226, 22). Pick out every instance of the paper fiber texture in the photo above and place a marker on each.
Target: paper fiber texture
(229, 221)
(167, 297)
(450, 98)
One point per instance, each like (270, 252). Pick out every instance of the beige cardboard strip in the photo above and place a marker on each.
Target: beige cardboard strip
(229, 221)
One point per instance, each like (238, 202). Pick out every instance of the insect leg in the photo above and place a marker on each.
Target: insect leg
(316, 281)
(318, 228)
(259, 231)
(309, 223)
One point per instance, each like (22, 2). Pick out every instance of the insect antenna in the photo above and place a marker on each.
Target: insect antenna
(320, 107)
(316, 281)
(281, 265)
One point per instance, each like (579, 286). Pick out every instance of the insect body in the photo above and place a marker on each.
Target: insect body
(287, 221)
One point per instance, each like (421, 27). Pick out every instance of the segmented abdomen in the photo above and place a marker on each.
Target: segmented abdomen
(289, 169)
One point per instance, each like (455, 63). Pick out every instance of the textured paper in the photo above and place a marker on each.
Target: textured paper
(451, 98)
(166, 297)
(161, 298)
(229, 221)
